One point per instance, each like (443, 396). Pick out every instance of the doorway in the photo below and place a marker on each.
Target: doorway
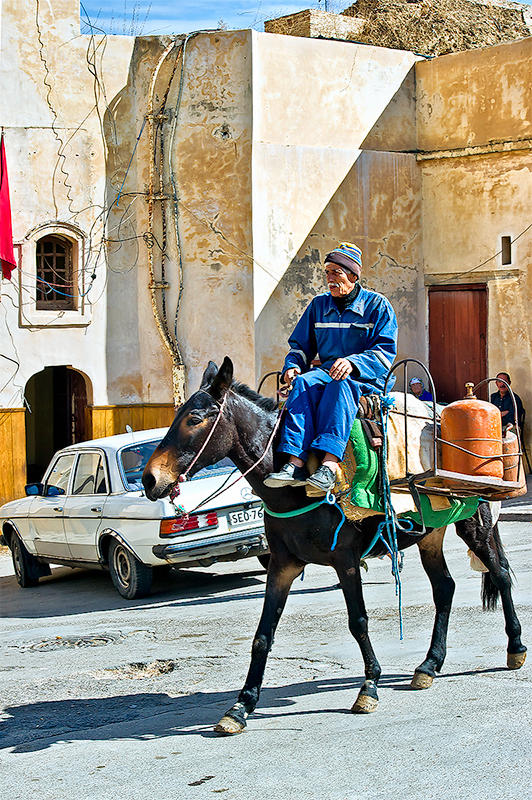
(55, 415)
(458, 339)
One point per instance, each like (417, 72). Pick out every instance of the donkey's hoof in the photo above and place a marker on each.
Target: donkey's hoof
(515, 660)
(229, 726)
(421, 681)
(364, 704)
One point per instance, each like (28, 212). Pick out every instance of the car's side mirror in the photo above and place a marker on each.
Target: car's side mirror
(53, 491)
(33, 489)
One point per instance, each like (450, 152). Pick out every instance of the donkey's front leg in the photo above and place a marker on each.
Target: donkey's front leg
(351, 583)
(281, 575)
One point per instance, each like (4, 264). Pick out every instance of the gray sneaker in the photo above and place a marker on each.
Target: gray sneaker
(289, 475)
(323, 479)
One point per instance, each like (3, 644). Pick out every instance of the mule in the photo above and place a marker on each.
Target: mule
(227, 418)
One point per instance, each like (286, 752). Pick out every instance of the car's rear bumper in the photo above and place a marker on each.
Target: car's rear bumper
(224, 547)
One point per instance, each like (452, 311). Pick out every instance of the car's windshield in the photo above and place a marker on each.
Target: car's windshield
(135, 457)
(220, 468)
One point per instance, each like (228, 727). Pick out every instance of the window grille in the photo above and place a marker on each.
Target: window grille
(55, 273)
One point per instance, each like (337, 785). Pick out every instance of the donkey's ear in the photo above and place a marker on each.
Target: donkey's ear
(209, 375)
(223, 379)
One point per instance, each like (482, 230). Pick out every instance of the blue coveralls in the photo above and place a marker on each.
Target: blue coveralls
(320, 411)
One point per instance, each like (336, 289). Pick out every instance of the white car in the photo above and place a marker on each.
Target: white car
(91, 511)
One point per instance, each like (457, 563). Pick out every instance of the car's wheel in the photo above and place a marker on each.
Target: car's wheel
(130, 576)
(27, 568)
(264, 559)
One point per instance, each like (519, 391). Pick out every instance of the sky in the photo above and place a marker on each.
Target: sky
(181, 16)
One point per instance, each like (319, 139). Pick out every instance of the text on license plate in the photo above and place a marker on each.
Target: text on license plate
(246, 516)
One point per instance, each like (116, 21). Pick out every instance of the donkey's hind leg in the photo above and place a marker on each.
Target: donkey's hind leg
(482, 537)
(281, 575)
(351, 583)
(432, 558)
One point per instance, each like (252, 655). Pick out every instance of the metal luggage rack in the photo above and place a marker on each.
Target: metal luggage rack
(467, 485)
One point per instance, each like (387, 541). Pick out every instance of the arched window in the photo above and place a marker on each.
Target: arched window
(55, 273)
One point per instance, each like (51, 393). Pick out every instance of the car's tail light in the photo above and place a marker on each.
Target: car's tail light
(188, 522)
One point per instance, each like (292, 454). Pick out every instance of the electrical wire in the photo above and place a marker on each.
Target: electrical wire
(60, 153)
(478, 266)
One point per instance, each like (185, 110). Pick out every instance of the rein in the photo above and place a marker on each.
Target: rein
(224, 488)
(207, 439)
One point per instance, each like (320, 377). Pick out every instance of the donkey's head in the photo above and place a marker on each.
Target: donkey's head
(193, 423)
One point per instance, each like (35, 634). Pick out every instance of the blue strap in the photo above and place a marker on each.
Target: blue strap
(387, 530)
(337, 531)
(329, 498)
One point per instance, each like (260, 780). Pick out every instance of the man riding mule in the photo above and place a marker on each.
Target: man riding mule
(226, 418)
(354, 332)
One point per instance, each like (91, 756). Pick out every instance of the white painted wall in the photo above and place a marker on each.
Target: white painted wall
(37, 183)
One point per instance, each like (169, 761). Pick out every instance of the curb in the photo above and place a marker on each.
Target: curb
(514, 515)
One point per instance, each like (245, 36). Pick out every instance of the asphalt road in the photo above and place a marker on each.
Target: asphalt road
(103, 697)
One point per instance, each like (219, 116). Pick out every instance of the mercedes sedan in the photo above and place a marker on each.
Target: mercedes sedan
(91, 511)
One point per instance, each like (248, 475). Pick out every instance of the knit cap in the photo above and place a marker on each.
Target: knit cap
(348, 256)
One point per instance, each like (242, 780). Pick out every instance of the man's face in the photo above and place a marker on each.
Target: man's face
(500, 385)
(416, 389)
(339, 281)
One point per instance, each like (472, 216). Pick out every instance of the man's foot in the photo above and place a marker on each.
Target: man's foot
(323, 479)
(289, 475)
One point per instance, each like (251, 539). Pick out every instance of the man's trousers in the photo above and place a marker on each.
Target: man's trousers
(319, 413)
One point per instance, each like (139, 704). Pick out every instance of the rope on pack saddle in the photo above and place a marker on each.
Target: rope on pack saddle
(388, 529)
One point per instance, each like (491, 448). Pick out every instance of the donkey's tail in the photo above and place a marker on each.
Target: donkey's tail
(490, 591)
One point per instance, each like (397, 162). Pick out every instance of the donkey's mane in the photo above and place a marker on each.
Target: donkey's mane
(250, 394)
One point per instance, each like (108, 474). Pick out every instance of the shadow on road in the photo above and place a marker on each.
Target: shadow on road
(37, 726)
(69, 592)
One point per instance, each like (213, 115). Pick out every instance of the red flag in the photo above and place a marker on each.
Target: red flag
(7, 257)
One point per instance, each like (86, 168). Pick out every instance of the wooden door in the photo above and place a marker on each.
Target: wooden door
(77, 391)
(457, 339)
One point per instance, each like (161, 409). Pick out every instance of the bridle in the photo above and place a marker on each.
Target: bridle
(223, 488)
(209, 435)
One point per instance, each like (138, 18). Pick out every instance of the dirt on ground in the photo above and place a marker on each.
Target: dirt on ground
(437, 27)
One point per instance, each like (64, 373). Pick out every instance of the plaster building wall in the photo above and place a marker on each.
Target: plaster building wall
(279, 147)
(56, 152)
(255, 167)
(339, 168)
(48, 191)
(208, 269)
(474, 136)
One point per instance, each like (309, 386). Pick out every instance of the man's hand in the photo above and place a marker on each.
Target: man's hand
(290, 374)
(340, 369)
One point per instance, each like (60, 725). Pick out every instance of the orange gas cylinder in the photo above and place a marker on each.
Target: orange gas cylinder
(510, 448)
(476, 426)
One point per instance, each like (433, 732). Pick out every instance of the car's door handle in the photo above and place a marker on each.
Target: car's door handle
(58, 509)
(96, 509)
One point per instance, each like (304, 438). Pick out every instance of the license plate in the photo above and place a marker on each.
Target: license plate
(246, 516)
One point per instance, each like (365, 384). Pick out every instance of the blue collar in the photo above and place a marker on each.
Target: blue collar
(357, 305)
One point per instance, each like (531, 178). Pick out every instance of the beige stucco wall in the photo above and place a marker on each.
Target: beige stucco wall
(211, 160)
(256, 164)
(378, 205)
(475, 97)
(319, 178)
(39, 194)
(314, 104)
(474, 125)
